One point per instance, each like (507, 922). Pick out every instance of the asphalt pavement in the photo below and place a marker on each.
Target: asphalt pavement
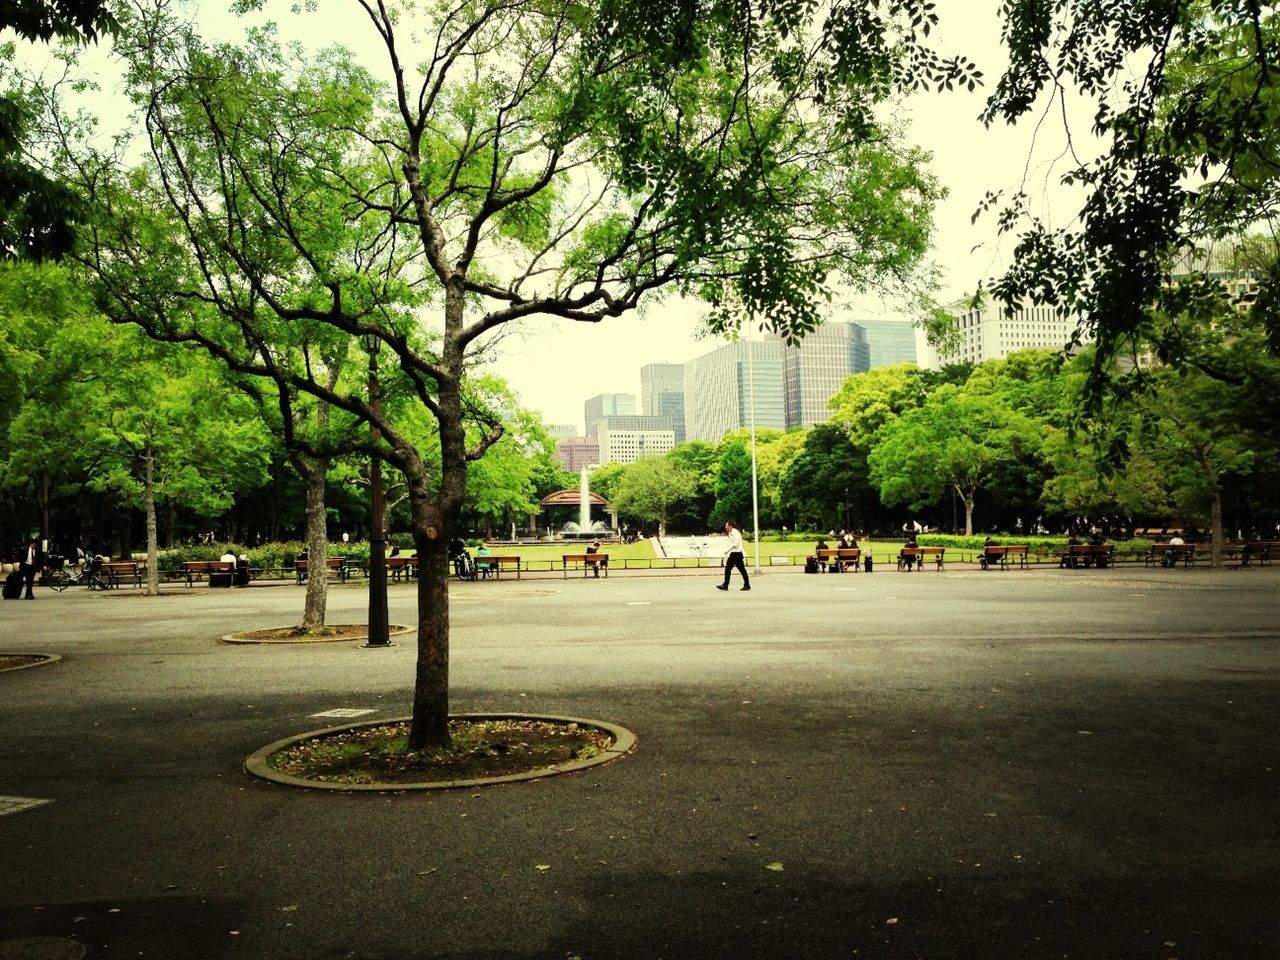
(1031, 764)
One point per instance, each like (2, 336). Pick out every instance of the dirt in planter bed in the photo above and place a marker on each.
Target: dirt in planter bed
(481, 748)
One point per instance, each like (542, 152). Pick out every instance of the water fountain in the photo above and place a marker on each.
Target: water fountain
(584, 529)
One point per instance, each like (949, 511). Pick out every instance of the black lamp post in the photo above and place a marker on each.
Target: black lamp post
(379, 635)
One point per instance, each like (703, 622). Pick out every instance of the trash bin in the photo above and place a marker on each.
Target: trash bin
(867, 562)
(242, 572)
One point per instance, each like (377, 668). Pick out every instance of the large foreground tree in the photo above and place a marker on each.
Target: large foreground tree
(520, 159)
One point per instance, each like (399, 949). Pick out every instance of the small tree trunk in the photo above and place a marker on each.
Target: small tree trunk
(149, 505)
(1215, 525)
(968, 510)
(313, 478)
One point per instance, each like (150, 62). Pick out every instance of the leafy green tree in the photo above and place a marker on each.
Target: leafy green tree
(733, 486)
(867, 401)
(604, 479)
(102, 408)
(698, 460)
(1191, 157)
(650, 488)
(38, 213)
(546, 159)
(170, 428)
(821, 486)
(956, 441)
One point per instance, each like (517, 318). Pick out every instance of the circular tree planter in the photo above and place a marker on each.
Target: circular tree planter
(612, 742)
(334, 633)
(25, 661)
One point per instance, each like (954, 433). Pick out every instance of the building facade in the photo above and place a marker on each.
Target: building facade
(607, 405)
(625, 439)
(718, 390)
(574, 453)
(988, 333)
(816, 369)
(890, 342)
(662, 394)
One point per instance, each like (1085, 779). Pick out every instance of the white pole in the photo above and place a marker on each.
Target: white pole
(755, 497)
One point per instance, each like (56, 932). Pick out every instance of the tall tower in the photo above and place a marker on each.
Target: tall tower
(816, 369)
(717, 390)
(662, 394)
(607, 405)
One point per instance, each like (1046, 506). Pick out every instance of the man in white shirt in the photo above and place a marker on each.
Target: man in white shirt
(733, 557)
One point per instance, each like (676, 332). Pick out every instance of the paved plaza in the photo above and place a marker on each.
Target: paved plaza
(1024, 764)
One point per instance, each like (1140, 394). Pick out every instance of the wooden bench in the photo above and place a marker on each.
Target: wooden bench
(915, 556)
(406, 566)
(336, 565)
(1003, 554)
(114, 571)
(1168, 554)
(838, 557)
(1087, 555)
(494, 564)
(219, 572)
(1260, 550)
(590, 561)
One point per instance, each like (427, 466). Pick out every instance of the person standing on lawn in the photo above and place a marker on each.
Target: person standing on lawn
(734, 557)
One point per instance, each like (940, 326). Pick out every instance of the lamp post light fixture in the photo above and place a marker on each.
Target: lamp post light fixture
(379, 633)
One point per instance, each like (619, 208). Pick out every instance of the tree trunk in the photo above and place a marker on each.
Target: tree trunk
(430, 726)
(1215, 525)
(968, 510)
(170, 521)
(313, 479)
(149, 506)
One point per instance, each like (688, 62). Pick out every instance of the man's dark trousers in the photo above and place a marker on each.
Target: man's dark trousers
(736, 559)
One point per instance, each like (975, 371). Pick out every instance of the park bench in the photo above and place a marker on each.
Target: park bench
(1168, 554)
(336, 565)
(1087, 555)
(1260, 550)
(1003, 554)
(219, 572)
(918, 554)
(113, 571)
(594, 562)
(494, 564)
(838, 557)
(399, 566)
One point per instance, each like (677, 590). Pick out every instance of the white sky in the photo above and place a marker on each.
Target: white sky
(555, 365)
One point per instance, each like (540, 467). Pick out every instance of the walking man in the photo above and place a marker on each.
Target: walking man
(733, 557)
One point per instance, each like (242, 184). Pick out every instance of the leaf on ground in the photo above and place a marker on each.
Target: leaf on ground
(291, 908)
(776, 867)
(542, 867)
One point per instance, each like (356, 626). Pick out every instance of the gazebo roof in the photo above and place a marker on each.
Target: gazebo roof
(572, 498)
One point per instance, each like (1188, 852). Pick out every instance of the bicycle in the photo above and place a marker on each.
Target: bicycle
(59, 578)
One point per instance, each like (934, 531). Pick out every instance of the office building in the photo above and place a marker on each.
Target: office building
(890, 342)
(718, 388)
(561, 431)
(662, 394)
(815, 369)
(625, 439)
(988, 333)
(574, 453)
(607, 405)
